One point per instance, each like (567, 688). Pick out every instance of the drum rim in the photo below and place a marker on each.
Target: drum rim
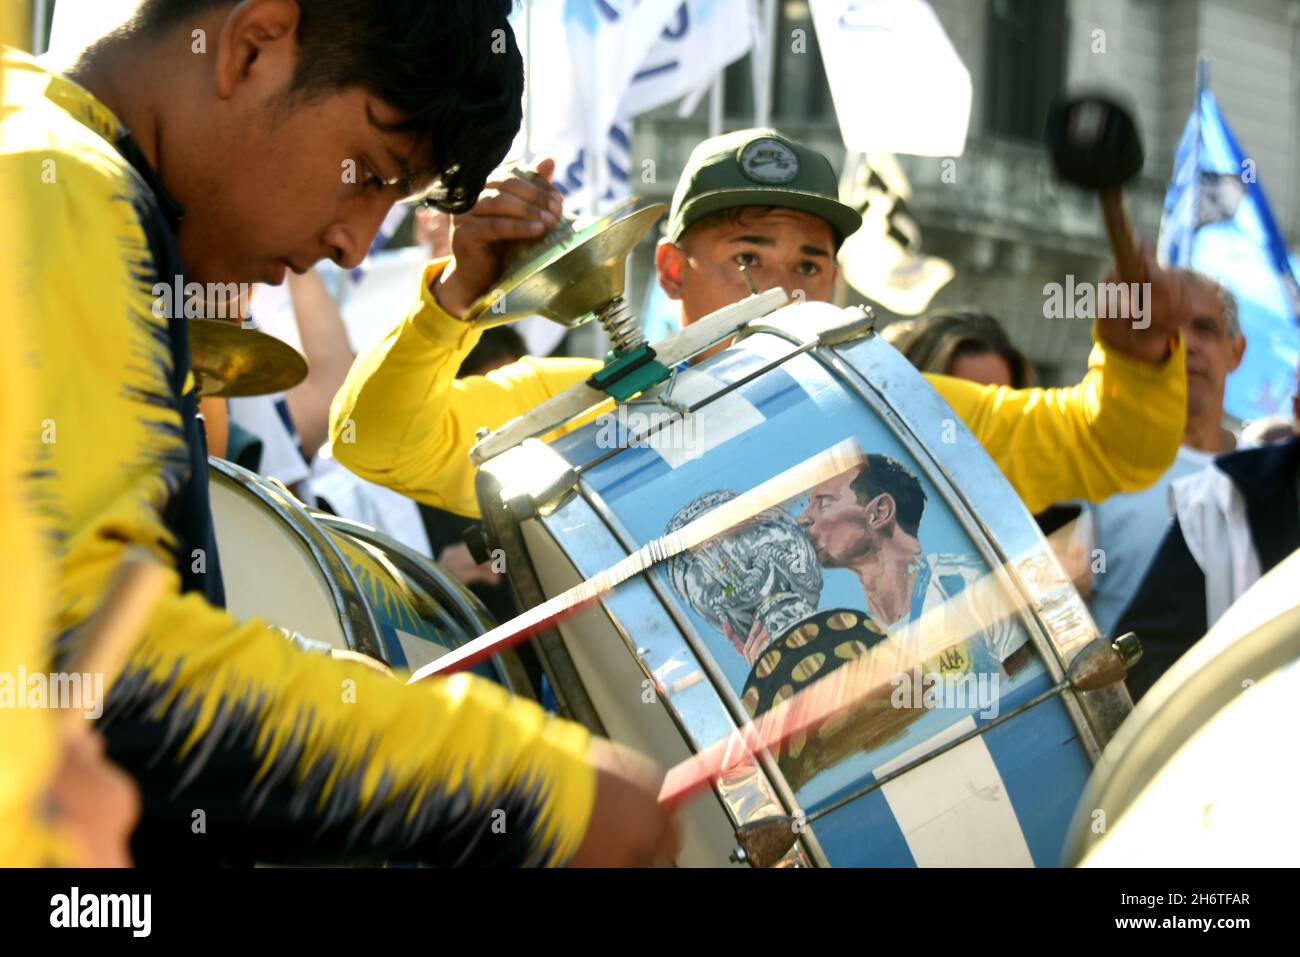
(474, 613)
(340, 583)
(465, 606)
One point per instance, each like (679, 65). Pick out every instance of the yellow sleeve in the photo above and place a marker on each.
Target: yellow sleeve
(403, 419)
(333, 761)
(29, 737)
(1117, 430)
(289, 756)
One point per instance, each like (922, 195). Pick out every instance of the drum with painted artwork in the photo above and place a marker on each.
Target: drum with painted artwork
(971, 749)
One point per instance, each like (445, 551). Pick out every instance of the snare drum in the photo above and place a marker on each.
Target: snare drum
(337, 581)
(986, 772)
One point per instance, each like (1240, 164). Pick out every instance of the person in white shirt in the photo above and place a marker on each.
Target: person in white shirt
(1125, 530)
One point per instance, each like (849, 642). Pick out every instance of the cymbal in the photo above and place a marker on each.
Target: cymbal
(567, 274)
(229, 360)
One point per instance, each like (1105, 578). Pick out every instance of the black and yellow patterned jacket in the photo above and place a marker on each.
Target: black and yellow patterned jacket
(245, 747)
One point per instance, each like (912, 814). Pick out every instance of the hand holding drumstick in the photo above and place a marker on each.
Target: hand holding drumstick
(93, 800)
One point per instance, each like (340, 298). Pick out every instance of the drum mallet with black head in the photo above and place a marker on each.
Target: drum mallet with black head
(1094, 144)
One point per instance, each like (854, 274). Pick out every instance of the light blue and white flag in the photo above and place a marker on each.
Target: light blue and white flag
(1217, 221)
(701, 39)
(597, 64)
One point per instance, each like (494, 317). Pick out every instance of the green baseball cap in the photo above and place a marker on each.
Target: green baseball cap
(758, 167)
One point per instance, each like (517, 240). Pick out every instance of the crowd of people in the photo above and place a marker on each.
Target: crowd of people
(225, 168)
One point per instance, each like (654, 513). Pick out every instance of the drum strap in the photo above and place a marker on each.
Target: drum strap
(188, 515)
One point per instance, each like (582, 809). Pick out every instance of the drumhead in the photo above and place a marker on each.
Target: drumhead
(280, 566)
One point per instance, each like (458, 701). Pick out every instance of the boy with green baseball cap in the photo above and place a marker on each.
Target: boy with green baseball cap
(759, 167)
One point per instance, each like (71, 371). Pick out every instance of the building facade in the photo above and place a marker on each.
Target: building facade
(996, 211)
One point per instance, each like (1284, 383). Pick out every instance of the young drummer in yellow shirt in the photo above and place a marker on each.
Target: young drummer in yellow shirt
(157, 161)
(404, 421)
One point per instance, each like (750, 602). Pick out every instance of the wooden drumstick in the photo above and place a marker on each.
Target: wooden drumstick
(104, 640)
(771, 493)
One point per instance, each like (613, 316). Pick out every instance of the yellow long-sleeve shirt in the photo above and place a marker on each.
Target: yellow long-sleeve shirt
(29, 743)
(245, 748)
(403, 420)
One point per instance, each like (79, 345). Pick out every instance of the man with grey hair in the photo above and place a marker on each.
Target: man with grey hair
(1233, 523)
(1126, 529)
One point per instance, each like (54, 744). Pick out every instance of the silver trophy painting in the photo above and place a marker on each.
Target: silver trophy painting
(764, 569)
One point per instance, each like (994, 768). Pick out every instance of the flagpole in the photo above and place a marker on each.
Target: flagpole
(716, 103)
(1202, 84)
(764, 63)
(528, 81)
(40, 13)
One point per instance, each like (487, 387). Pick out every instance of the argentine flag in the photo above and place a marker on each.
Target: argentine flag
(1217, 222)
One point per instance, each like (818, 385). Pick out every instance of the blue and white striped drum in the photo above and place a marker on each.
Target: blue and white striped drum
(973, 748)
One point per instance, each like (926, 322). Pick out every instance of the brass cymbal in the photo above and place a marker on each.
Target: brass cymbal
(229, 360)
(568, 273)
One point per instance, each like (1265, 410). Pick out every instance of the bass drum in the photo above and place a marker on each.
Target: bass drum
(337, 581)
(975, 756)
(1188, 780)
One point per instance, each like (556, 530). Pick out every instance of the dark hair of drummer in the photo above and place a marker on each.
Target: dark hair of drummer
(286, 129)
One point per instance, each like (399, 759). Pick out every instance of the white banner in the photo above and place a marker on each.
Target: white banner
(897, 82)
(702, 38)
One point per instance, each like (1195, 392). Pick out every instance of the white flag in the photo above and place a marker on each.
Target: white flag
(77, 22)
(897, 82)
(884, 260)
(702, 38)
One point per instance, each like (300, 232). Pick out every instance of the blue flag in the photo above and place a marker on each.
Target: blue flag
(1217, 222)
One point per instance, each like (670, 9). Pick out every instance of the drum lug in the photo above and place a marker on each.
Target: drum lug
(532, 477)
(853, 328)
(1101, 664)
(475, 539)
(766, 841)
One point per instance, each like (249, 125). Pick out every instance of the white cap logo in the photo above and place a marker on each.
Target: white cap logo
(769, 161)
